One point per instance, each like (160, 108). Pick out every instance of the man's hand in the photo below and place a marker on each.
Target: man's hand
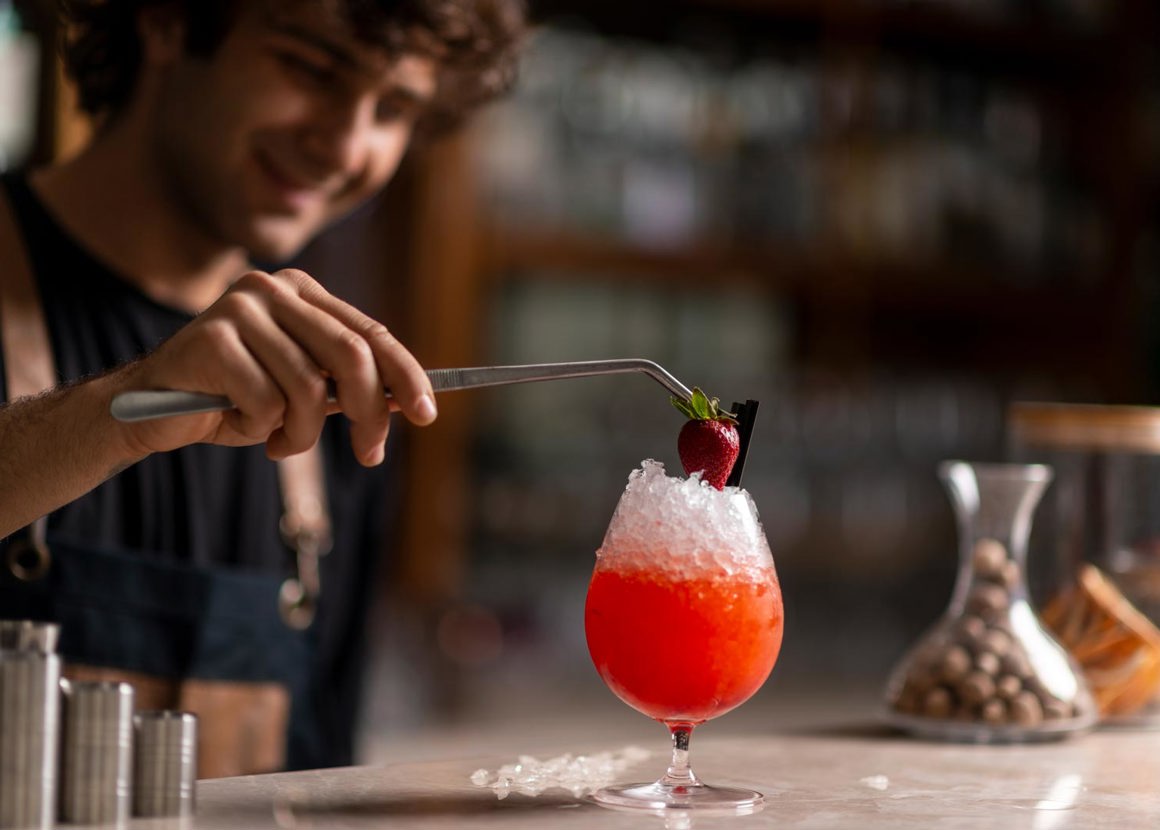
(270, 344)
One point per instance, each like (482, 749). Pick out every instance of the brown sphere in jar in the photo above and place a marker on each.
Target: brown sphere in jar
(1015, 662)
(955, 664)
(1008, 686)
(937, 703)
(988, 558)
(969, 631)
(994, 712)
(988, 663)
(976, 687)
(908, 700)
(913, 693)
(966, 712)
(988, 601)
(1011, 574)
(1026, 710)
(997, 641)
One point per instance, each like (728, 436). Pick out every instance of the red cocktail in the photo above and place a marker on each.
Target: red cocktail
(683, 648)
(684, 619)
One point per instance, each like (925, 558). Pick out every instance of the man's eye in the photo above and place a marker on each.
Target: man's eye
(306, 68)
(388, 110)
(396, 108)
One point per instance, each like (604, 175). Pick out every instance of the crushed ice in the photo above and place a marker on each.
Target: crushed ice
(662, 521)
(875, 782)
(578, 774)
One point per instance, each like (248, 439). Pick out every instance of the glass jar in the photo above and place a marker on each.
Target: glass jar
(988, 671)
(1098, 540)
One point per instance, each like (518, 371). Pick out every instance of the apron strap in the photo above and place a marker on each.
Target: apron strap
(24, 341)
(306, 529)
(30, 370)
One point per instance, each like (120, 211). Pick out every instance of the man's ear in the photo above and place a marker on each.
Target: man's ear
(162, 30)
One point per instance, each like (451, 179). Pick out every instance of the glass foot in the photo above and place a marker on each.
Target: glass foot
(658, 797)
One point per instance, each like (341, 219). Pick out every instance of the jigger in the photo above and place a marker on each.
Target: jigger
(29, 635)
(29, 737)
(96, 762)
(165, 763)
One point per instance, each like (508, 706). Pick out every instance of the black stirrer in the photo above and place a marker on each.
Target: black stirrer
(746, 414)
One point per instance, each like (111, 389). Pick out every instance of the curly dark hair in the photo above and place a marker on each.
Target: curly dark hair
(475, 43)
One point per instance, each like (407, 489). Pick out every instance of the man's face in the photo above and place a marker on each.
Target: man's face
(289, 125)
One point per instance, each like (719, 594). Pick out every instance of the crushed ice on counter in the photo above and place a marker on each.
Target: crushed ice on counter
(662, 521)
(875, 782)
(578, 774)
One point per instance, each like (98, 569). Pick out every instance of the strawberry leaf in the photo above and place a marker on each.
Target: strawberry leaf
(701, 405)
(702, 408)
(684, 407)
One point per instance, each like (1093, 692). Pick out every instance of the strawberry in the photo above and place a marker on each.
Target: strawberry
(708, 442)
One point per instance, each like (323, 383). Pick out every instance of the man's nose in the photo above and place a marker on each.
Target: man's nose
(339, 136)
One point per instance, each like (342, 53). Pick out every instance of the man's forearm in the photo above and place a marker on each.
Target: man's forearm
(56, 447)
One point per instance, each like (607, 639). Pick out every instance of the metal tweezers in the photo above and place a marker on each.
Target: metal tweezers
(164, 403)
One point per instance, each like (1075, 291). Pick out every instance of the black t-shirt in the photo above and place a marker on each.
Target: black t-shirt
(203, 504)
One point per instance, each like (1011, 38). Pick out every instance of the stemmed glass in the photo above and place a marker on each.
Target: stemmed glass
(684, 621)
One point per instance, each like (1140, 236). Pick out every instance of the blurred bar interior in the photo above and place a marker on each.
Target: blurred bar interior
(885, 220)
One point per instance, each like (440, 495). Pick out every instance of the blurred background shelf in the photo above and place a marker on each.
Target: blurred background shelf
(834, 276)
(1033, 39)
(885, 220)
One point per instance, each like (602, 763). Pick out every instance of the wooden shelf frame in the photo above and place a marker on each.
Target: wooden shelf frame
(1034, 45)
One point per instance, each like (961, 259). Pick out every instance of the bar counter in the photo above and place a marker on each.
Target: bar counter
(856, 776)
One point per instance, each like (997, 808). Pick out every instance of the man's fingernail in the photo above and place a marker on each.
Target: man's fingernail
(425, 409)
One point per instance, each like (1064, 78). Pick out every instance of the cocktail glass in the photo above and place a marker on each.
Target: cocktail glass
(684, 622)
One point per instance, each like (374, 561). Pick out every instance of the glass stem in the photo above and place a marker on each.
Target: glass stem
(679, 775)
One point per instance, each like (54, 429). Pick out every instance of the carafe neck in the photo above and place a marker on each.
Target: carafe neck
(993, 506)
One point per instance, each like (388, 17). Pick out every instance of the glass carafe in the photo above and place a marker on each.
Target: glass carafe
(988, 671)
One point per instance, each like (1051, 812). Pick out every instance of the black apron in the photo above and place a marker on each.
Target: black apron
(221, 642)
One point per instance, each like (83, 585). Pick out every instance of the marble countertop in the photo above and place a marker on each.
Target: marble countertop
(858, 776)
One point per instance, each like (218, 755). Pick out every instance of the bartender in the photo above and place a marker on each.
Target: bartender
(220, 562)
